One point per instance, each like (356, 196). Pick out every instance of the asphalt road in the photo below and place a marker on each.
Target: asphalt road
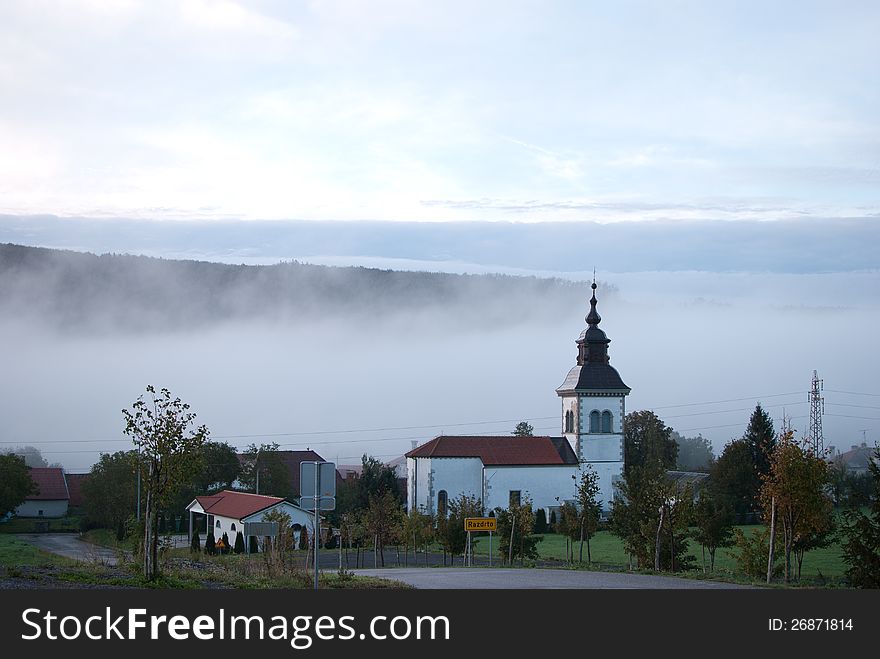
(69, 545)
(476, 578)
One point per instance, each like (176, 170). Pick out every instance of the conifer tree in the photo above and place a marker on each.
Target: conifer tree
(210, 543)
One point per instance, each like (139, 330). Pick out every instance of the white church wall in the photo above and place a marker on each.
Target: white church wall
(601, 448)
(542, 483)
(456, 476)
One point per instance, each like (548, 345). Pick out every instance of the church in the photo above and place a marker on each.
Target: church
(504, 470)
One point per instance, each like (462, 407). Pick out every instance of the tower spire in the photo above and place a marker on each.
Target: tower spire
(592, 343)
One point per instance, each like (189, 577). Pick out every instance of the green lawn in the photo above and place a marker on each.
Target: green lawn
(17, 553)
(607, 552)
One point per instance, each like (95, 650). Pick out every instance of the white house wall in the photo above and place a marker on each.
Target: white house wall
(297, 515)
(50, 508)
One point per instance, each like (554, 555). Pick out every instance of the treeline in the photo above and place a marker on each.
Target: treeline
(114, 291)
(764, 477)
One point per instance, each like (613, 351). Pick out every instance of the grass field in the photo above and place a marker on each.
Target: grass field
(608, 553)
(17, 553)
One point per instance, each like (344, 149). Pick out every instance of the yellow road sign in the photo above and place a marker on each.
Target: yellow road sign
(480, 524)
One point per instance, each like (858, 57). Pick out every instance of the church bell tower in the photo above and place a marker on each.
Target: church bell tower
(593, 407)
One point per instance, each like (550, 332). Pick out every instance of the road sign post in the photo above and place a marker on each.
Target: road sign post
(472, 524)
(317, 483)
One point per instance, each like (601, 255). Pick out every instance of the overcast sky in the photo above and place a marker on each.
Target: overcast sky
(393, 110)
(119, 112)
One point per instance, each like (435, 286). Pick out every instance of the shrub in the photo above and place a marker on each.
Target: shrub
(304, 538)
(210, 544)
(753, 551)
(254, 545)
(120, 531)
(552, 524)
(195, 544)
(540, 521)
(226, 545)
(239, 543)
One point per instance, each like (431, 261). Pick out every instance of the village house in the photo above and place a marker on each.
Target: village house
(228, 511)
(52, 497)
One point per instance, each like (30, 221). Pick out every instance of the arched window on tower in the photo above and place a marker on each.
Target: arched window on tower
(606, 421)
(442, 500)
(569, 421)
(594, 421)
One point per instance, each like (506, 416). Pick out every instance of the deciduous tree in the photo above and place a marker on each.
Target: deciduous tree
(713, 524)
(163, 431)
(796, 480)
(861, 536)
(15, 483)
(647, 440)
(589, 508)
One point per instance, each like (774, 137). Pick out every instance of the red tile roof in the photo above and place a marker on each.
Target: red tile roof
(236, 504)
(51, 483)
(74, 488)
(492, 450)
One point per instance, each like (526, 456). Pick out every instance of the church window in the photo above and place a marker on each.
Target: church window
(606, 421)
(218, 524)
(233, 526)
(569, 421)
(594, 421)
(515, 497)
(442, 499)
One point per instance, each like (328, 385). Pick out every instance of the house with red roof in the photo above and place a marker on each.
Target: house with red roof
(51, 498)
(503, 470)
(228, 511)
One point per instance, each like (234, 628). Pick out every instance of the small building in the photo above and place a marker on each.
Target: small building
(228, 511)
(52, 497)
(74, 488)
(856, 460)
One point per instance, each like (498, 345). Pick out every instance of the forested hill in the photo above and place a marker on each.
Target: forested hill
(83, 291)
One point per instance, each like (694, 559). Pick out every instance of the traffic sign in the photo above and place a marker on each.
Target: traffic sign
(480, 524)
(324, 503)
(326, 481)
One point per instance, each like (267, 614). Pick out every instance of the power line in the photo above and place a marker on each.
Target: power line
(852, 393)
(740, 409)
(728, 400)
(730, 425)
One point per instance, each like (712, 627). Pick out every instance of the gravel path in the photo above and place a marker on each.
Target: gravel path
(69, 545)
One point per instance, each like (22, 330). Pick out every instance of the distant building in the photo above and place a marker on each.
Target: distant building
(52, 498)
(856, 459)
(501, 470)
(74, 488)
(292, 460)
